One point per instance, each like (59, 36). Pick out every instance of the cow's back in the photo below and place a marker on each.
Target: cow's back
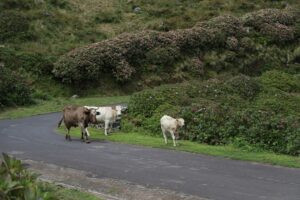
(106, 113)
(73, 115)
(168, 122)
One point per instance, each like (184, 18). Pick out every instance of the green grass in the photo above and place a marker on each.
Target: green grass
(58, 192)
(229, 151)
(57, 104)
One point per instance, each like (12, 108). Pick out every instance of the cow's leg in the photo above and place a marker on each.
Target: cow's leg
(67, 133)
(110, 127)
(84, 134)
(68, 137)
(173, 137)
(87, 137)
(106, 127)
(87, 132)
(82, 138)
(164, 134)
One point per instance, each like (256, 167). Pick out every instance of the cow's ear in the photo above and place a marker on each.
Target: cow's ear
(87, 111)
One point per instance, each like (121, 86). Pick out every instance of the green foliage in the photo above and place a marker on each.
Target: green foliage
(162, 56)
(14, 25)
(248, 111)
(41, 95)
(36, 63)
(109, 16)
(20, 4)
(18, 183)
(152, 124)
(148, 47)
(270, 16)
(296, 55)
(147, 101)
(244, 86)
(209, 123)
(14, 88)
(269, 130)
(221, 43)
(59, 3)
(280, 80)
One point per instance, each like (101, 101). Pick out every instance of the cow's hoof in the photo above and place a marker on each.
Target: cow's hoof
(87, 141)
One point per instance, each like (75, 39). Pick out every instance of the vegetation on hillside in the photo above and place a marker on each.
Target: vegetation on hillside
(34, 34)
(261, 112)
(250, 44)
(231, 67)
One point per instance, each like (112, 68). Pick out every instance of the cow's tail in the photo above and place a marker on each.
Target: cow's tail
(60, 121)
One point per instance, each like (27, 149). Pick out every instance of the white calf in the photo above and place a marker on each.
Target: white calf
(108, 115)
(169, 124)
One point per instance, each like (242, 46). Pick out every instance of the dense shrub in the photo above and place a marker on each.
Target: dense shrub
(239, 109)
(223, 43)
(280, 80)
(194, 65)
(259, 18)
(269, 130)
(263, 129)
(14, 88)
(149, 47)
(152, 123)
(162, 56)
(147, 101)
(295, 57)
(209, 122)
(277, 101)
(244, 86)
(278, 32)
(18, 183)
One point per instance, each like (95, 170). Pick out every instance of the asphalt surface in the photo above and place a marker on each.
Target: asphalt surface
(205, 176)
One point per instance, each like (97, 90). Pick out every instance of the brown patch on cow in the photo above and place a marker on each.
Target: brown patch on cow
(74, 116)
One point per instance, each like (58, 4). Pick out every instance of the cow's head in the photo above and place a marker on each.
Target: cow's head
(118, 109)
(180, 123)
(91, 115)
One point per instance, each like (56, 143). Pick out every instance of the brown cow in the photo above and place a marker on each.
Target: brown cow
(74, 116)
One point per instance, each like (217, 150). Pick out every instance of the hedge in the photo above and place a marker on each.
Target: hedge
(127, 55)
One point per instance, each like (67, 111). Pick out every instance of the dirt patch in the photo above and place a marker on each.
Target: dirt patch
(105, 188)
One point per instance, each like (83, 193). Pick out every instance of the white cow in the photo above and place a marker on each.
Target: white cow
(169, 124)
(108, 115)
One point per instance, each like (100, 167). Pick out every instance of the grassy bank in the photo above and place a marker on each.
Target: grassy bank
(57, 104)
(227, 151)
(59, 192)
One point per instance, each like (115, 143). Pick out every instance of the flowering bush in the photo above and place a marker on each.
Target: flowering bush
(238, 109)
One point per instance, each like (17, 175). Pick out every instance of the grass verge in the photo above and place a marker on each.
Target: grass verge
(227, 151)
(57, 104)
(60, 192)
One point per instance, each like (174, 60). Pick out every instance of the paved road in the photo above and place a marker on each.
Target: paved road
(209, 177)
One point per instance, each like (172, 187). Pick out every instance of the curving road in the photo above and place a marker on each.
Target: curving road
(204, 176)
